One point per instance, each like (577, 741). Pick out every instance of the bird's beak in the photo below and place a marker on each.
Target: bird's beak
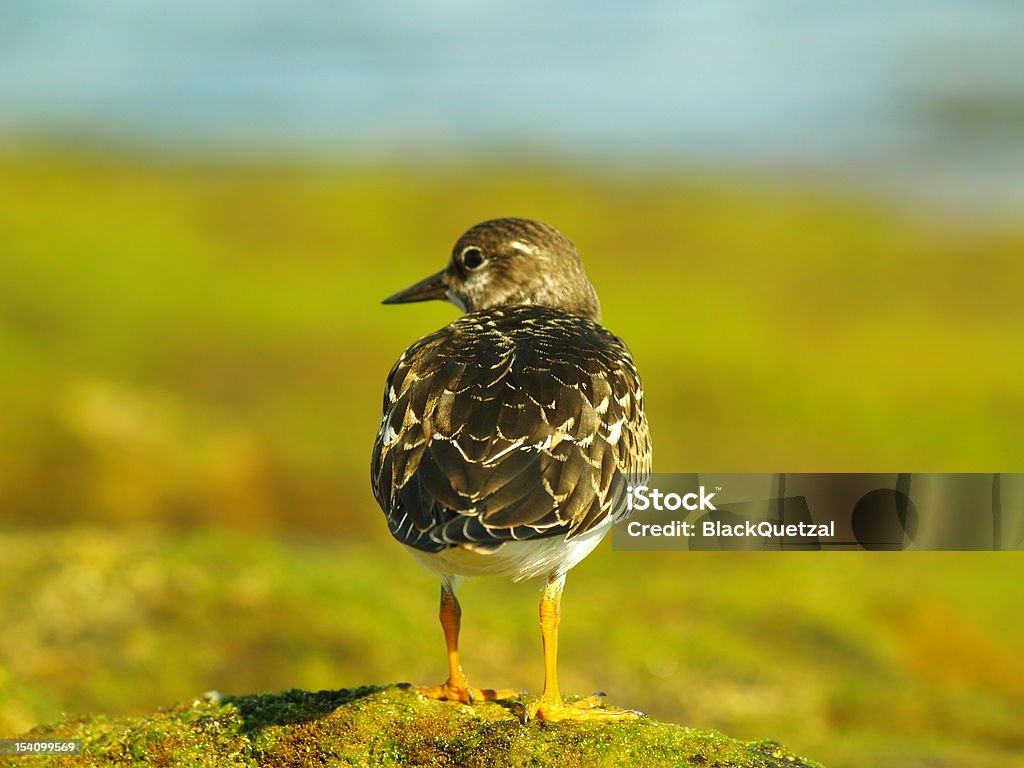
(433, 287)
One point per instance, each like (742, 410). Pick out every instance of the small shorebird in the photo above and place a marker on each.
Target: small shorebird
(505, 434)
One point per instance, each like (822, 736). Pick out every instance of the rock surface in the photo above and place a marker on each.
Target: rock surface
(391, 727)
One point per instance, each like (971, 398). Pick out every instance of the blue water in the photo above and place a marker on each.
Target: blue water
(930, 91)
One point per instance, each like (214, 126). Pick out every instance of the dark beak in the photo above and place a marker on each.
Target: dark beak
(433, 287)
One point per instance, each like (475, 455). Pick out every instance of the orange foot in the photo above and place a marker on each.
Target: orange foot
(449, 691)
(590, 708)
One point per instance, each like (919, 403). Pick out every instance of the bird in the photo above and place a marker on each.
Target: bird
(506, 435)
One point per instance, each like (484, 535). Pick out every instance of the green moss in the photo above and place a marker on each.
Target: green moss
(392, 727)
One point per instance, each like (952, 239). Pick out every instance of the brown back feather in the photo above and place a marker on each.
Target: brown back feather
(499, 427)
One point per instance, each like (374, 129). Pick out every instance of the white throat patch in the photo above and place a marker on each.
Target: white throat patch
(454, 299)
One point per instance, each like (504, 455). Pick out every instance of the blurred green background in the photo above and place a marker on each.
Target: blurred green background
(192, 356)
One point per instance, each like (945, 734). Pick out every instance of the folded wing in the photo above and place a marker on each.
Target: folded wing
(506, 427)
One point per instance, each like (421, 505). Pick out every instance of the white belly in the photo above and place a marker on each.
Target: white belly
(516, 559)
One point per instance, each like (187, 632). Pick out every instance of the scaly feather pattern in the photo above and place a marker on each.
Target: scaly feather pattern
(508, 424)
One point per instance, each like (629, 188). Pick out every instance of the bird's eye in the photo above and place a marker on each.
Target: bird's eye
(472, 258)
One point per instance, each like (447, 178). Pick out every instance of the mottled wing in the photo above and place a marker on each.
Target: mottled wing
(505, 425)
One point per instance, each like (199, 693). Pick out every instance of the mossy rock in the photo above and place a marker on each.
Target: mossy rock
(390, 727)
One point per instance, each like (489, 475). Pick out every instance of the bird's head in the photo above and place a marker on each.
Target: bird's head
(510, 262)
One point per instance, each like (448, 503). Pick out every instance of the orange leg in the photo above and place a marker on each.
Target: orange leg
(551, 706)
(456, 687)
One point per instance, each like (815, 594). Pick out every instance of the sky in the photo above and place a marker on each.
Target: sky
(931, 94)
